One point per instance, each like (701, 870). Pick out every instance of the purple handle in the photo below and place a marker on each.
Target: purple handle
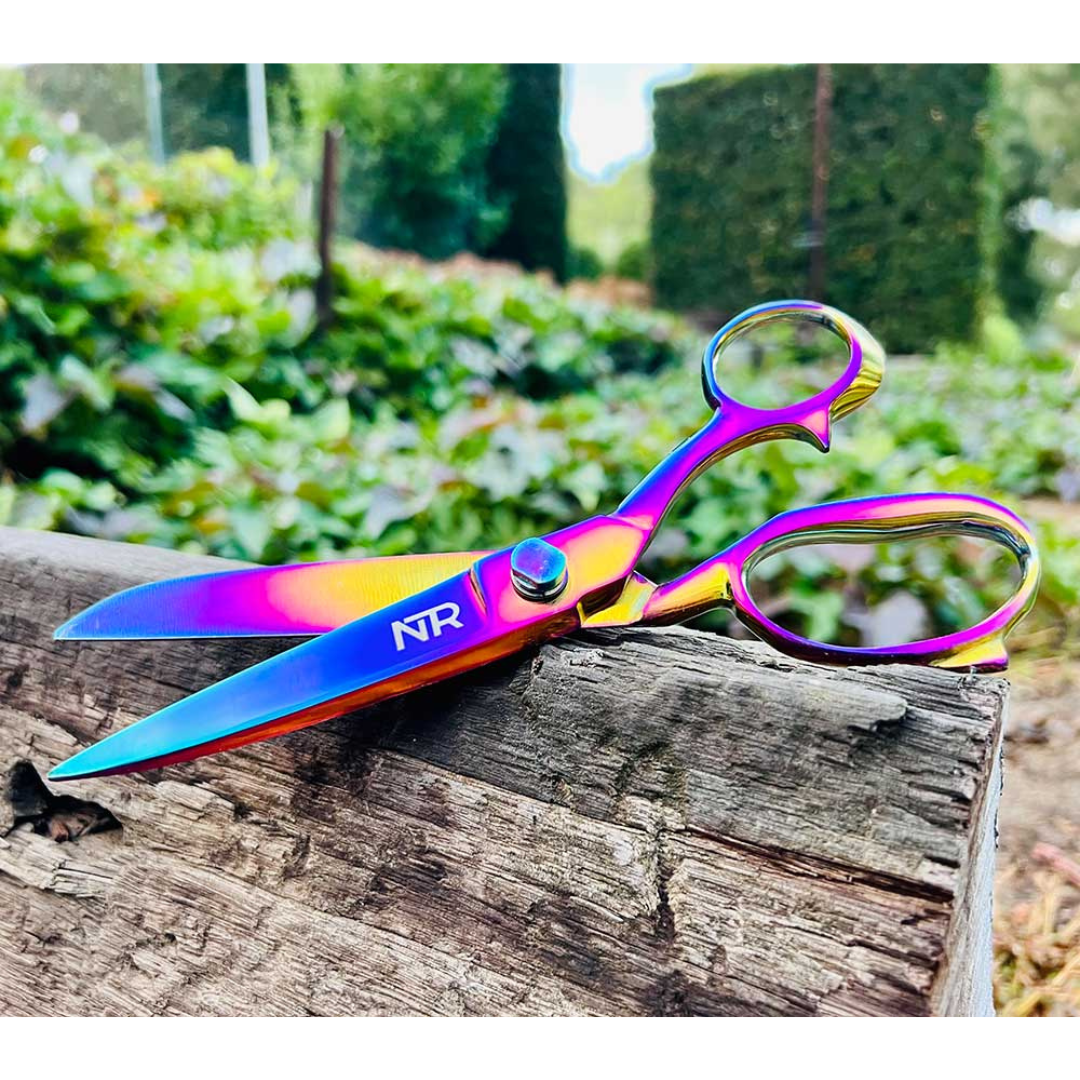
(723, 580)
(735, 425)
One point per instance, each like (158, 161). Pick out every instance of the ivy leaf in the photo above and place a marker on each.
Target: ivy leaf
(252, 529)
(43, 401)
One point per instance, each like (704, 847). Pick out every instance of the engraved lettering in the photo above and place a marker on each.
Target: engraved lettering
(425, 625)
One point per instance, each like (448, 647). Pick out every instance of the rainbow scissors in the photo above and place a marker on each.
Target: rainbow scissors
(388, 626)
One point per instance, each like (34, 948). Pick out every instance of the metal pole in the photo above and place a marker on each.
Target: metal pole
(258, 124)
(819, 196)
(324, 286)
(152, 90)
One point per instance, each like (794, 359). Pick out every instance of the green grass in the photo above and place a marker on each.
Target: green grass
(608, 217)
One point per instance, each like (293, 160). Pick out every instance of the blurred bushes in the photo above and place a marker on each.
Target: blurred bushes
(202, 104)
(438, 158)
(526, 170)
(583, 263)
(136, 302)
(161, 380)
(418, 137)
(915, 195)
(635, 262)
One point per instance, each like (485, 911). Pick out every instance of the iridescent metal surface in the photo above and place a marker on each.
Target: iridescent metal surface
(267, 601)
(723, 581)
(402, 624)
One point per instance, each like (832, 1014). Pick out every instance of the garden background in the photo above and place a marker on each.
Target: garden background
(489, 345)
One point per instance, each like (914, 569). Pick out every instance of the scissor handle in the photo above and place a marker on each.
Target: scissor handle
(860, 378)
(735, 425)
(723, 580)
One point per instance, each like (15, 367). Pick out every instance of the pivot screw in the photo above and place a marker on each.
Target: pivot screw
(538, 570)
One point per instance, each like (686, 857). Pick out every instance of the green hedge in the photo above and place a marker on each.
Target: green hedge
(526, 170)
(417, 140)
(911, 235)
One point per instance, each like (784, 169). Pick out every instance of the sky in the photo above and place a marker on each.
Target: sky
(607, 113)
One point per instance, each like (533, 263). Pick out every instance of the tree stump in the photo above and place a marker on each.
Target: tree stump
(622, 822)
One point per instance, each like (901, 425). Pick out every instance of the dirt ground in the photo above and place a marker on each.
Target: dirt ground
(1037, 894)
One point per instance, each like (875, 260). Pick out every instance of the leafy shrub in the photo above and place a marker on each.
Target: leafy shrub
(914, 195)
(526, 170)
(419, 137)
(135, 299)
(583, 263)
(283, 484)
(114, 275)
(635, 262)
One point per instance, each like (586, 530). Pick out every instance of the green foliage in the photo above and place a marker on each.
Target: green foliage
(438, 158)
(419, 138)
(526, 170)
(136, 300)
(108, 98)
(113, 277)
(635, 262)
(583, 263)
(161, 381)
(206, 105)
(1044, 165)
(609, 216)
(912, 187)
(1021, 180)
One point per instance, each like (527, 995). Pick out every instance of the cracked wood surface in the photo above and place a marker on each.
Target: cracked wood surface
(634, 822)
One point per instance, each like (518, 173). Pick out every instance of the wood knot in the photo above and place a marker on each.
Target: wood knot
(61, 817)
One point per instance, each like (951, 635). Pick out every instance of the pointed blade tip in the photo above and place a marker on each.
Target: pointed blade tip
(97, 759)
(66, 771)
(83, 766)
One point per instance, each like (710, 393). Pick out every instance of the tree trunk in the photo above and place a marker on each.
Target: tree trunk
(324, 284)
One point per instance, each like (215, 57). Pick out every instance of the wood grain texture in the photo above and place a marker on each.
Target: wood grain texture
(635, 822)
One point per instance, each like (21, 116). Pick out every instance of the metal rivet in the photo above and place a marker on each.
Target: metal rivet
(538, 570)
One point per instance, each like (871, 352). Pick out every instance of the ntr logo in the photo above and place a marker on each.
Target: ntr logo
(425, 625)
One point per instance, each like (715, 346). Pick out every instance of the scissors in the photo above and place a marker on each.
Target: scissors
(384, 626)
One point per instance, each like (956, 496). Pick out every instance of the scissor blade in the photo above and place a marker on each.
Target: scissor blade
(273, 601)
(416, 641)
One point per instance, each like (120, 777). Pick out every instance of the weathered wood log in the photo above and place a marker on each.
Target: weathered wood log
(632, 822)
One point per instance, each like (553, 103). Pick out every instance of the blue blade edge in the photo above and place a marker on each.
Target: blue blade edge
(445, 619)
